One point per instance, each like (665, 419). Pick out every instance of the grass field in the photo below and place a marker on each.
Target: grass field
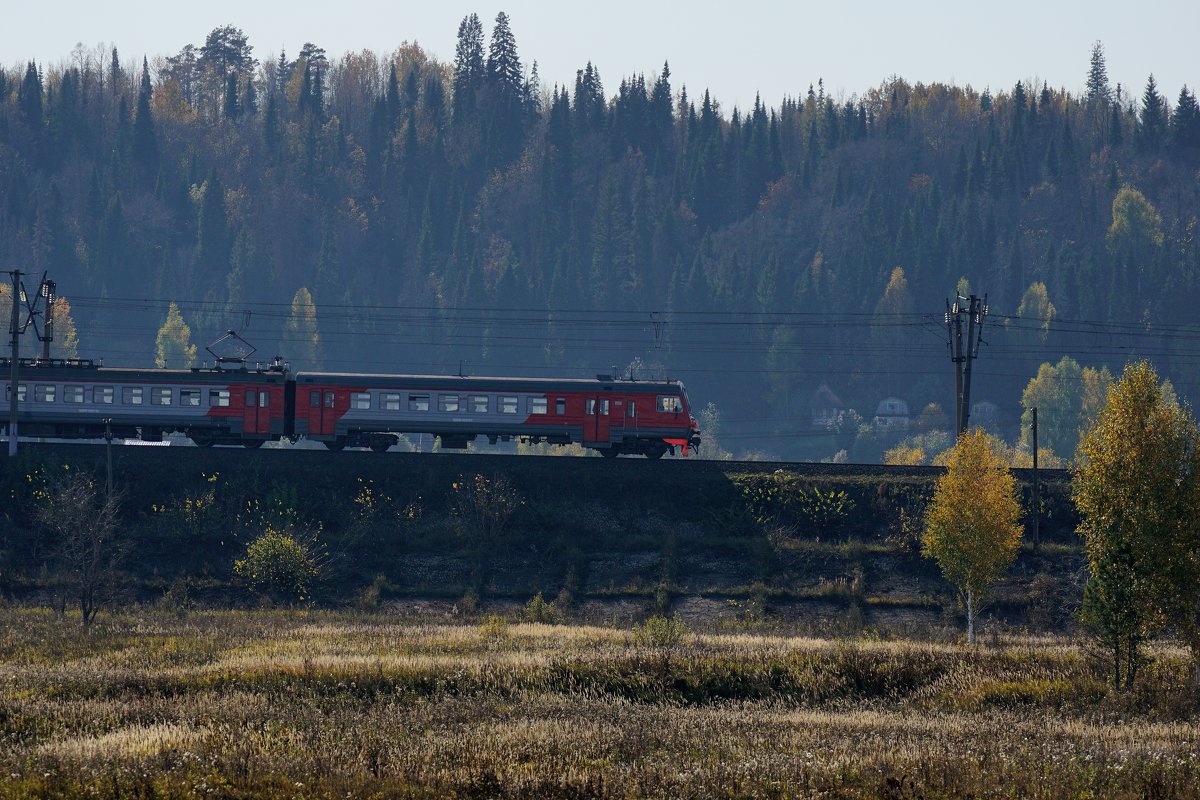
(321, 704)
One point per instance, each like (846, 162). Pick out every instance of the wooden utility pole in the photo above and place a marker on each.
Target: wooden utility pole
(1037, 488)
(964, 351)
(14, 362)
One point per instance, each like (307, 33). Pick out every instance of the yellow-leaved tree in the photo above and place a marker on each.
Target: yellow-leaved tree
(1137, 487)
(173, 347)
(972, 527)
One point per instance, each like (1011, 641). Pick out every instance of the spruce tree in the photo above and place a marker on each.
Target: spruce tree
(1098, 90)
(1185, 125)
(1152, 121)
(468, 67)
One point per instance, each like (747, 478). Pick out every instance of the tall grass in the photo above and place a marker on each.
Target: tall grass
(281, 704)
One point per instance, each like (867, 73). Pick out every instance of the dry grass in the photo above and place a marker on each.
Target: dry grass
(323, 705)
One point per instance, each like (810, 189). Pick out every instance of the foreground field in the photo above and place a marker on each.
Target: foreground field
(324, 705)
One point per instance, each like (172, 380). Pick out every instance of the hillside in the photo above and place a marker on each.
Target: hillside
(603, 540)
(449, 216)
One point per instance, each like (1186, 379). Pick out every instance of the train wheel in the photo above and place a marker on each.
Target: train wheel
(252, 444)
(380, 445)
(336, 444)
(201, 438)
(611, 452)
(656, 451)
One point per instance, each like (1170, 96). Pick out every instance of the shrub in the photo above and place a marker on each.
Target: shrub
(538, 610)
(660, 632)
(280, 564)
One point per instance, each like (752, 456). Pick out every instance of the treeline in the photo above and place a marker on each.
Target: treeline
(395, 181)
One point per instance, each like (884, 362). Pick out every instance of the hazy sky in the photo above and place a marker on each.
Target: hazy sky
(733, 48)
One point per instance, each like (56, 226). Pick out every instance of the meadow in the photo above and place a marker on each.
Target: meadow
(299, 703)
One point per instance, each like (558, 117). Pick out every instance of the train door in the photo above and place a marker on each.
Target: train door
(321, 412)
(597, 420)
(631, 415)
(257, 411)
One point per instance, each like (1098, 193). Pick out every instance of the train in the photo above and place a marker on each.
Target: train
(236, 404)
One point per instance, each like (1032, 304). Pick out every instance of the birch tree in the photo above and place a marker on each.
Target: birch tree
(972, 528)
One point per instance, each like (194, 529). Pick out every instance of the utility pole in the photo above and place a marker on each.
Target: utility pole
(14, 361)
(47, 292)
(108, 437)
(963, 352)
(1037, 488)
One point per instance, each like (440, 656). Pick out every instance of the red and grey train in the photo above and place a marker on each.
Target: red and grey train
(77, 399)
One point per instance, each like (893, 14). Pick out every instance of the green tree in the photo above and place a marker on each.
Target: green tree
(1153, 119)
(1137, 488)
(173, 347)
(1098, 90)
(972, 528)
(1067, 397)
(1185, 125)
(1036, 309)
(300, 332)
(1135, 240)
(145, 142)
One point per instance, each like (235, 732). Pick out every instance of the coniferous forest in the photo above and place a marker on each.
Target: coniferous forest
(391, 212)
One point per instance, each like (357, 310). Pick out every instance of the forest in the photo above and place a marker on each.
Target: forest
(391, 212)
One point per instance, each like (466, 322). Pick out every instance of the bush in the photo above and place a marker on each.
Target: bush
(660, 632)
(280, 564)
(538, 610)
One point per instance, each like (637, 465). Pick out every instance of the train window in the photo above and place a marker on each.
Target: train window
(103, 395)
(479, 404)
(329, 399)
(508, 404)
(669, 404)
(360, 401)
(632, 409)
(448, 403)
(189, 397)
(264, 399)
(314, 399)
(20, 393)
(218, 398)
(161, 396)
(131, 395)
(44, 394)
(560, 406)
(72, 394)
(251, 398)
(590, 407)
(418, 402)
(389, 401)
(537, 405)
(604, 408)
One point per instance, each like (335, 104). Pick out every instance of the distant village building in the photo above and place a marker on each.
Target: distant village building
(826, 407)
(985, 414)
(891, 415)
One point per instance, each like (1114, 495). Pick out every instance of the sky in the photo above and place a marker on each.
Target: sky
(735, 49)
